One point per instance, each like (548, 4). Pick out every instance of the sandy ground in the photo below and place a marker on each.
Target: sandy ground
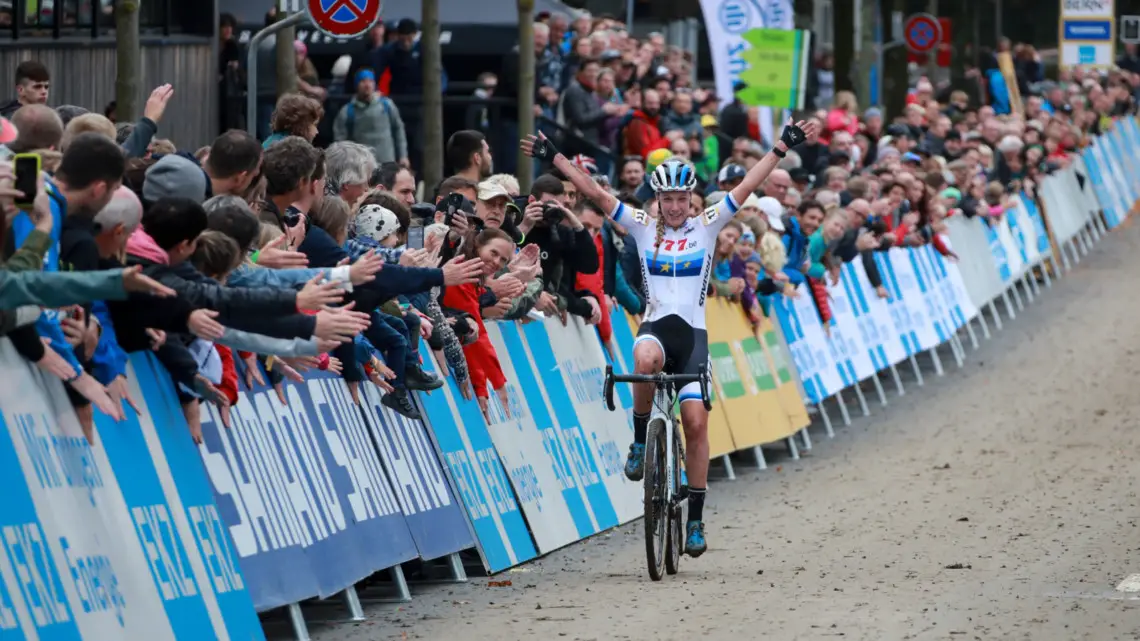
(1019, 469)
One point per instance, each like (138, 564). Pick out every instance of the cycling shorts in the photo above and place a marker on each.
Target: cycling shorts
(685, 347)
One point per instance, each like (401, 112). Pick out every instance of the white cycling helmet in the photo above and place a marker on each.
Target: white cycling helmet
(673, 175)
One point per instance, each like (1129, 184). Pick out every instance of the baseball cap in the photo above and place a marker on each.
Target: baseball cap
(953, 134)
(730, 172)
(489, 190)
(774, 211)
(610, 54)
(873, 112)
(910, 156)
(174, 176)
(708, 120)
(376, 222)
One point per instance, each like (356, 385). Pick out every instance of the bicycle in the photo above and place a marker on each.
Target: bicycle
(664, 492)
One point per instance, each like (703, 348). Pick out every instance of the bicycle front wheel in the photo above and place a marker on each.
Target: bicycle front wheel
(676, 535)
(656, 504)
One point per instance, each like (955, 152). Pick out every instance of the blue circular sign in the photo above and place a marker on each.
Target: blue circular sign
(922, 32)
(735, 16)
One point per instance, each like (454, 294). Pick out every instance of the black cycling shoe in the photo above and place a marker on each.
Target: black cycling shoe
(400, 402)
(418, 379)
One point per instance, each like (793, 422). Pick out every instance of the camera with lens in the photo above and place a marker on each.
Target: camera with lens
(552, 213)
(457, 203)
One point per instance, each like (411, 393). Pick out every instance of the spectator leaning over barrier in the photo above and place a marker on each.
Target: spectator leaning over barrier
(374, 121)
(33, 82)
(85, 182)
(492, 249)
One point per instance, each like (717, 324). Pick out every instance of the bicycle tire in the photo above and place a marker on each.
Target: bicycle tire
(656, 511)
(676, 537)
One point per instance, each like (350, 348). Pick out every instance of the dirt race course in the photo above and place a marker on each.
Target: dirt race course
(1019, 470)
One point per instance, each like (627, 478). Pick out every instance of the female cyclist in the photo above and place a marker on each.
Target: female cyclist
(676, 254)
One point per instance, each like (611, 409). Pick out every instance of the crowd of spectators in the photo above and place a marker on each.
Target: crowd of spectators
(250, 258)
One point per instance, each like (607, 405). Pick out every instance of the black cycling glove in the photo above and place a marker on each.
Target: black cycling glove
(544, 150)
(792, 136)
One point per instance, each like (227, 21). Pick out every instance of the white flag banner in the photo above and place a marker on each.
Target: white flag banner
(726, 22)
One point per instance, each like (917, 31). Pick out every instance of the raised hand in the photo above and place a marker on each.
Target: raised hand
(156, 104)
(538, 147)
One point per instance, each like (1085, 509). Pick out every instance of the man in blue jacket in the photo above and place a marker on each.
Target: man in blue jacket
(88, 176)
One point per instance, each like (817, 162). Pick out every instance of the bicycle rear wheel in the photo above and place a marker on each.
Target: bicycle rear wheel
(656, 508)
(676, 534)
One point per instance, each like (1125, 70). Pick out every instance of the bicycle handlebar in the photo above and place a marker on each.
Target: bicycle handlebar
(660, 378)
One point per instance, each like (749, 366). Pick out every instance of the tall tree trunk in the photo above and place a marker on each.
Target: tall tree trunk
(866, 53)
(127, 53)
(526, 88)
(433, 95)
(286, 59)
(844, 21)
(895, 80)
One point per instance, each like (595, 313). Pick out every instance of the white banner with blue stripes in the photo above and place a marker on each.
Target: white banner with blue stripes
(808, 344)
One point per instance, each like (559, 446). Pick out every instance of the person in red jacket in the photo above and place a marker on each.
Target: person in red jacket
(643, 133)
(494, 247)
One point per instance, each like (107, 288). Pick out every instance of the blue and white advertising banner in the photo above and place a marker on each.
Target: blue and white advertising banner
(936, 310)
(303, 492)
(848, 349)
(107, 542)
(874, 325)
(916, 321)
(1110, 203)
(540, 457)
(807, 344)
(433, 514)
(475, 466)
(569, 360)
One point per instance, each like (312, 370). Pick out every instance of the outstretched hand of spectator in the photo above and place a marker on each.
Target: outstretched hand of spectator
(156, 104)
(365, 268)
(202, 324)
(340, 324)
(315, 294)
(90, 389)
(459, 271)
(274, 257)
(253, 371)
(54, 364)
(118, 392)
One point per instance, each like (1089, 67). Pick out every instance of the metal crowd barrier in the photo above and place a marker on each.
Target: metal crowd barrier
(145, 535)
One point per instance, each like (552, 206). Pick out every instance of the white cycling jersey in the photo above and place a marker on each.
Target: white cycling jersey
(676, 274)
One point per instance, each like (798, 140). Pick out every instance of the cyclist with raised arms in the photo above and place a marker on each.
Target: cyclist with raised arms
(676, 254)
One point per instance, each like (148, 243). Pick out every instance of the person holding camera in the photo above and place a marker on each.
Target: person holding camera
(565, 250)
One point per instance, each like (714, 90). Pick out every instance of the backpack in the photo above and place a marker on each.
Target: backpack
(350, 117)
